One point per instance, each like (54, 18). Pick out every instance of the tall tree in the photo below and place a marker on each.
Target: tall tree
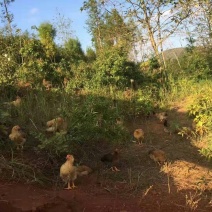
(116, 32)
(108, 27)
(201, 21)
(159, 18)
(73, 51)
(47, 33)
(63, 26)
(95, 21)
(6, 16)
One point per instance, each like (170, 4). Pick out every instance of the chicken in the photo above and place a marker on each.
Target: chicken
(162, 116)
(83, 170)
(65, 81)
(47, 84)
(57, 125)
(158, 156)
(15, 103)
(111, 158)
(128, 93)
(22, 84)
(68, 172)
(139, 135)
(18, 136)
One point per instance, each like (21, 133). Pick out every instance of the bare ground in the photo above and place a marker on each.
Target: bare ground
(182, 184)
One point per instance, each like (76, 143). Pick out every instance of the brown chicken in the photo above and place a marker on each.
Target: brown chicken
(47, 84)
(83, 170)
(57, 125)
(15, 103)
(158, 156)
(68, 172)
(111, 158)
(18, 136)
(22, 84)
(139, 135)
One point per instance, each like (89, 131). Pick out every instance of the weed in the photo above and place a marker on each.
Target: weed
(192, 200)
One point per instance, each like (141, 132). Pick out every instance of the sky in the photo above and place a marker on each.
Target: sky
(33, 12)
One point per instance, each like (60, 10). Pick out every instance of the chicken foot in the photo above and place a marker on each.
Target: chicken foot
(71, 187)
(115, 169)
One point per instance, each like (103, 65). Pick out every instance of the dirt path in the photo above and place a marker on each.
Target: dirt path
(184, 184)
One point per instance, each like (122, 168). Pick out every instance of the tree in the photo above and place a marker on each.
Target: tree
(90, 55)
(47, 33)
(201, 21)
(108, 27)
(94, 22)
(160, 19)
(73, 51)
(116, 32)
(63, 27)
(6, 16)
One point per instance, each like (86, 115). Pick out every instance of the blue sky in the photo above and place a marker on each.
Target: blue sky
(33, 12)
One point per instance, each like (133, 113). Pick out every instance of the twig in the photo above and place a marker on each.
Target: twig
(168, 184)
(33, 124)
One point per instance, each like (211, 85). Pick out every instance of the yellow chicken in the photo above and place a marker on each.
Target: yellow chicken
(139, 135)
(57, 125)
(15, 103)
(68, 172)
(18, 136)
(158, 156)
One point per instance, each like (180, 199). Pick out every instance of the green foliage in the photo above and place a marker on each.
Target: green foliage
(32, 49)
(56, 144)
(113, 68)
(47, 33)
(153, 63)
(144, 102)
(194, 64)
(201, 110)
(90, 55)
(73, 51)
(10, 58)
(197, 66)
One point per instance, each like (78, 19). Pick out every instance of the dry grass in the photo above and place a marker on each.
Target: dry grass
(187, 175)
(192, 200)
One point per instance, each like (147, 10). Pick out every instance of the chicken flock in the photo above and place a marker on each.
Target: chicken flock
(68, 171)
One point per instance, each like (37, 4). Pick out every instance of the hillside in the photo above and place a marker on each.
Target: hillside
(174, 53)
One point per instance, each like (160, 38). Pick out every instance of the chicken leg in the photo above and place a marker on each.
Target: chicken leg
(71, 187)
